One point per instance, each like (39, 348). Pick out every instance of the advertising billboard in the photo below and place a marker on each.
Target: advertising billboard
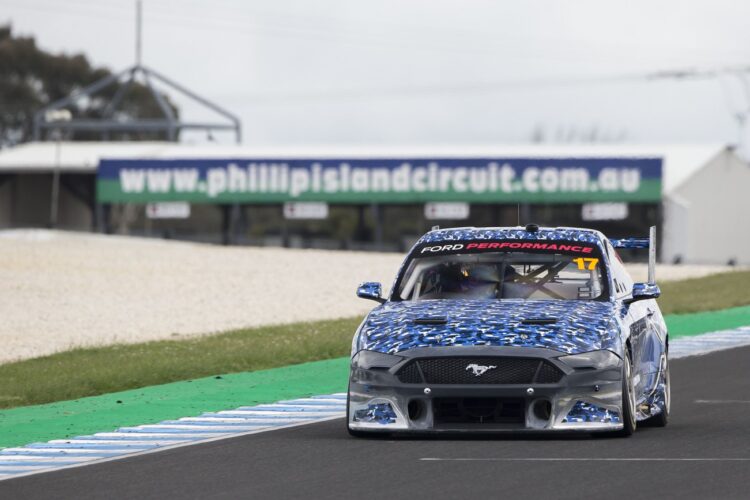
(477, 180)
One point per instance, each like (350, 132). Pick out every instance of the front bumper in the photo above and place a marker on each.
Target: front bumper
(581, 400)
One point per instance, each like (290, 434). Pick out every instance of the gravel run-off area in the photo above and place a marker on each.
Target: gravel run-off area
(60, 290)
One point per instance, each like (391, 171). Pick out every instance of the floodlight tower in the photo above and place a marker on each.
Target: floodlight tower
(168, 123)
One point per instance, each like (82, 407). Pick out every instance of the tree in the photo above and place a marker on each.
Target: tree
(31, 78)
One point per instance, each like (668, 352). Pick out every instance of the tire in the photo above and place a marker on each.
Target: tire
(661, 419)
(628, 399)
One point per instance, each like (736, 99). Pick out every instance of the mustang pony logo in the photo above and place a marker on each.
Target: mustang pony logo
(479, 370)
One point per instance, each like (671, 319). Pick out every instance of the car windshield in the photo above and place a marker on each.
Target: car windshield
(504, 275)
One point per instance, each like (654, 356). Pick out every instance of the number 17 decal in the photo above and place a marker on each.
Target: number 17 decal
(582, 261)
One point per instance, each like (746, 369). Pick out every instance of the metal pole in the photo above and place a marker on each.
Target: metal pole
(743, 115)
(229, 116)
(652, 254)
(55, 183)
(138, 10)
(377, 214)
(524, 214)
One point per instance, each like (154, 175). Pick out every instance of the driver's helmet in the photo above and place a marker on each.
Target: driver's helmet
(466, 277)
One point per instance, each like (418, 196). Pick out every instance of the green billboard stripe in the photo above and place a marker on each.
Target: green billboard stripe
(19, 426)
(683, 325)
(111, 191)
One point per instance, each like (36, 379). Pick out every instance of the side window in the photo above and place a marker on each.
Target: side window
(622, 281)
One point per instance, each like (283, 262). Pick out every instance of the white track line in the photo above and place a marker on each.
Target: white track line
(25, 468)
(278, 413)
(117, 445)
(33, 458)
(305, 406)
(315, 401)
(62, 451)
(148, 435)
(229, 420)
(722, 401)
(589, 459)
(150, 438)
(204, 428)
(709, 342)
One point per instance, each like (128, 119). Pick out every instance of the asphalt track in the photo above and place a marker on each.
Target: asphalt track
(703, 453)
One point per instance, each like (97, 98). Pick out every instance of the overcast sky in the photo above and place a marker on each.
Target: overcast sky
(432, 71)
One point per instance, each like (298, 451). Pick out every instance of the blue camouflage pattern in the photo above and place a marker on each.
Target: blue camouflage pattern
(369, 290)
(581, 326)
(651, 289)
(630, 243)
(588, 412)
(381, 413)
(499, 233)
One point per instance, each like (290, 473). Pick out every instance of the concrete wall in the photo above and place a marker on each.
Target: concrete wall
(5, 203)
(707, 219)
(674, 244)
(25, 202)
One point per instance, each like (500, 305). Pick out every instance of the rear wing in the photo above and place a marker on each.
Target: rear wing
(649, 243)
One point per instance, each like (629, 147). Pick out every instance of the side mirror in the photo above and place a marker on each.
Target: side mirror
(370, 290)
(644, 291)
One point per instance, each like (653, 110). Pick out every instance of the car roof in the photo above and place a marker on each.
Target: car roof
(512, 233)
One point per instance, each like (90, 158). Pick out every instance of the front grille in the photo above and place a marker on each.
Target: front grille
(487, 370)
(485, 411)
(409, 374)
(548, 374)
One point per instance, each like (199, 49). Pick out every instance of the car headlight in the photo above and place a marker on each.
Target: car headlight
(372, 359)
(594, 360)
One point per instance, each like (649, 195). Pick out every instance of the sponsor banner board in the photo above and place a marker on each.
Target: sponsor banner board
(478, 180)
(168, 210)
(604, 211)
(446, 210)
(306, 210)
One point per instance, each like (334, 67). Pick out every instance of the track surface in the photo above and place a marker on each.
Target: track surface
(711, 408)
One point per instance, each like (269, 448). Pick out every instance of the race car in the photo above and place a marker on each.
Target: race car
(511, 329)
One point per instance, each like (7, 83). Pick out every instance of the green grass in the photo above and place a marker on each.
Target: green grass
(718, 291)
(88, 372)
(92, 371)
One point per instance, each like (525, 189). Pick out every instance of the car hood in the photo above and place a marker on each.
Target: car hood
(567, 326)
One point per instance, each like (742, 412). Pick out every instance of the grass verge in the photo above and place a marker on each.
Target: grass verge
(710, 293)
(92, 371)
(88, 372)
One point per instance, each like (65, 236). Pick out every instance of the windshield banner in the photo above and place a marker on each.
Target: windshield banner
(504, 246)
(490, 180)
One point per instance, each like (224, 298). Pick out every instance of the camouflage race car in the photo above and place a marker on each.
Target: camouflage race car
(511, 329)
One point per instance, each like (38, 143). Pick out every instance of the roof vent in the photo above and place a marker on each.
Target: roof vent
(437, 320)
(539, 321)
(532, 228)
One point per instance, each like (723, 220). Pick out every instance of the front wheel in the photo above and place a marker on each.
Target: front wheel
(628, 399)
